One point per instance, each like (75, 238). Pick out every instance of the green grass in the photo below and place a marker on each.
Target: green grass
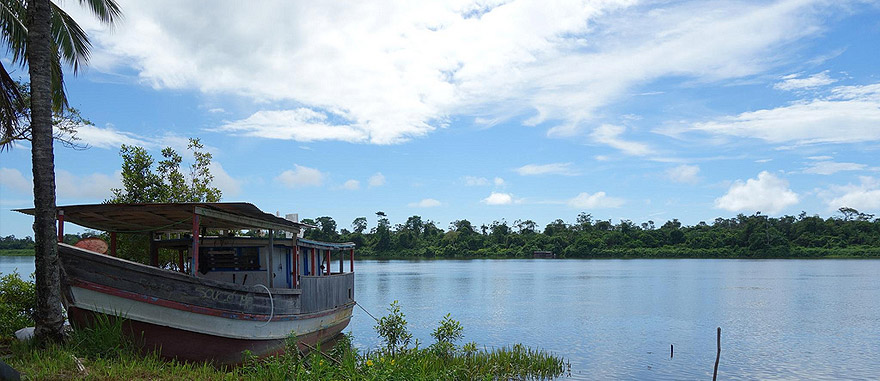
(16, 252)
(105, 355)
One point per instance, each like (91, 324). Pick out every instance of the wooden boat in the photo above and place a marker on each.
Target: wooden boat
(225, 295)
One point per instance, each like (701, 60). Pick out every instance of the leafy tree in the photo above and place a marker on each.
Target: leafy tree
(359, 225)
(144, 182)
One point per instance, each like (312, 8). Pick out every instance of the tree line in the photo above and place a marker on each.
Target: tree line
(851, 234)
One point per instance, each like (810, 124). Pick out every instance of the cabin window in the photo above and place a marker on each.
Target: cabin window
(230, 258)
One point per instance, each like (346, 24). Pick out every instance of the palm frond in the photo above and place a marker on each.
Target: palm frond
(59, 96)
(14, 36)
(105, 10)
(11, 104)
(71, 41)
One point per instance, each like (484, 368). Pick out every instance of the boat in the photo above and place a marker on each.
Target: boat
(223, 294)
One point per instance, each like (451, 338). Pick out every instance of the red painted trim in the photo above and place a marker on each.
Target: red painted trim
(327, 263)
(313, 262)
(180, 344)
(192, 308)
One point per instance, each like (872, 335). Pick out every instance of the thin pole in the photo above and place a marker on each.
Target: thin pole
(195, 245)
(351, 265)
(341, 261)
(60, 225)
(717, 356)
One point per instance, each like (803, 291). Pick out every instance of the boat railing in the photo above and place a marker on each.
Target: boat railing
(324, 292)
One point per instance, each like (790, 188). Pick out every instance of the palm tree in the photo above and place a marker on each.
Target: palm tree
(41, 35)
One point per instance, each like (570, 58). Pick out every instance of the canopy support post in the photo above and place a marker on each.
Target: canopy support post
(327, 264)
(351, 264)
(269, 263)
(195, 245)
(154, 250)
(113, 244)
(60, 225)
(295, 269)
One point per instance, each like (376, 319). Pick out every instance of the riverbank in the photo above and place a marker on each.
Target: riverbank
(16, 252)
(858, 252)
(103, 353)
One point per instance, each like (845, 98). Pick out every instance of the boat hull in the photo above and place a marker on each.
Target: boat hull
(195, 319)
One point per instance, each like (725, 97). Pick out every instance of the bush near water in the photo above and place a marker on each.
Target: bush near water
(102, 352)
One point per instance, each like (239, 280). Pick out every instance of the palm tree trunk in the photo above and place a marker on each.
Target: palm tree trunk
(48, 315)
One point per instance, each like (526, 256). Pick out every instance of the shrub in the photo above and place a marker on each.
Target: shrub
(447, 333)
(18, 300)
(392, 329)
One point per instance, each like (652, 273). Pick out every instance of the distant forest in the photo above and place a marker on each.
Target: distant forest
(849, 234)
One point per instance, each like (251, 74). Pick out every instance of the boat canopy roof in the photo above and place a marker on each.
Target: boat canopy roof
(324, 245)
(165, 217)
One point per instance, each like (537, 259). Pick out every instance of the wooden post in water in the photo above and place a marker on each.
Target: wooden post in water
(671, 351)
(717, 356)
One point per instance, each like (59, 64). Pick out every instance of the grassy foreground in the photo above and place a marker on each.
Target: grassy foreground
(103, 353)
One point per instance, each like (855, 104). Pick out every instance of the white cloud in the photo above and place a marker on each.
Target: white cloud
(300, 176)
(496, 198)
(499, 182)
(610, 135)
(831, 167)
(351, 185)
(849, 114)
(109, 137)
(766, 193)
(359, 80)
(228, 184)
(376, 180)
(684, 174)
(864, 196)
(302, 124)
(425, 203)
(792, 82)
(94, 187)
(13, 179)
(473, 181)
(597, 200)
(547, 169)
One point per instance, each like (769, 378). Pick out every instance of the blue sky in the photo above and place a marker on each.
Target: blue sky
(487, 110)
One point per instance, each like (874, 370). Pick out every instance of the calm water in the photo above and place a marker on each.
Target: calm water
(615, 319)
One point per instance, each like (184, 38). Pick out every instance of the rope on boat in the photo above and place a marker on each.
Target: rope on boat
(365, 310)
(272, 303)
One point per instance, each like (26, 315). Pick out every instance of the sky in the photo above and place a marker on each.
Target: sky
(485, 110)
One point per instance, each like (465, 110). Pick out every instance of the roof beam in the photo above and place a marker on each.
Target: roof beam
(245, 222)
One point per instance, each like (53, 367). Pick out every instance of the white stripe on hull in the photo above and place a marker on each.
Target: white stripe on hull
(205, 324)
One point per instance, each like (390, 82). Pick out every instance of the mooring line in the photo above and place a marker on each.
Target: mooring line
(272, 302)
(365, 310)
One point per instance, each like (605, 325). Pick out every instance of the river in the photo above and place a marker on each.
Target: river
(616, 319)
